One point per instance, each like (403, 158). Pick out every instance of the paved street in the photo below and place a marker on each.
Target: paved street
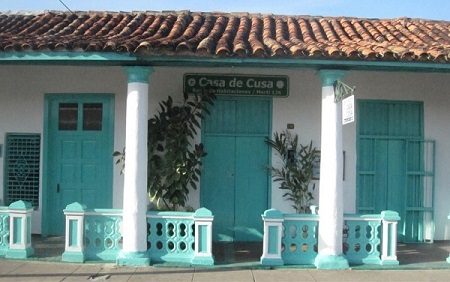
(46, 271)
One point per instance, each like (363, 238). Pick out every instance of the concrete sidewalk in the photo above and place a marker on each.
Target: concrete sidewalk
(15, 270)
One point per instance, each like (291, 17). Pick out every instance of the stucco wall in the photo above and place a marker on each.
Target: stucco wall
(434, 91)
(22, 105)
(22, 110)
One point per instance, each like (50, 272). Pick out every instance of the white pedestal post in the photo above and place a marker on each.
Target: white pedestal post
(273, 238)
(389, 238)
(74, 245)
(19, 231)
(203, 237)
(134, 252)
(331, 209)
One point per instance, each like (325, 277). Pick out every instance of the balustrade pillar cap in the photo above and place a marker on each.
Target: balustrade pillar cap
(272, 213)
(203, 212)
(390, 215)
(75, 207)
(20, 205)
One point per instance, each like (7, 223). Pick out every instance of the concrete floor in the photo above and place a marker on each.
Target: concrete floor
(234, 262)
(410, 256)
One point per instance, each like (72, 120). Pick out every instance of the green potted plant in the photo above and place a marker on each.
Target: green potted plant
(174, 159)
(295, 171)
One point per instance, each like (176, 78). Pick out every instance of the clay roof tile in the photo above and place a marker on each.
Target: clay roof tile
(227, 34)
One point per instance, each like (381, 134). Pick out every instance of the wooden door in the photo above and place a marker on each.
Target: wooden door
(235, 179)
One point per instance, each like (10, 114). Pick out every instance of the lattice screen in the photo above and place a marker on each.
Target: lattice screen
(22, 157)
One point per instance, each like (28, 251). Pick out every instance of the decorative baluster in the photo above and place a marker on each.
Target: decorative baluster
(389, 243)
(4, 230)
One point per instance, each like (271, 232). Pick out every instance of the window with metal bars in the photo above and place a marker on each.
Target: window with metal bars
(22, 158)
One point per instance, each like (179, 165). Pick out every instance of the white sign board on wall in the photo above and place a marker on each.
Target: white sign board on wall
(348, 110)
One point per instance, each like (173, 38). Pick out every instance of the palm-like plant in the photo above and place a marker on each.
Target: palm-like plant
(296, 169)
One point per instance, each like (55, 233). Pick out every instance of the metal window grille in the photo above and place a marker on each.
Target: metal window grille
(22, 158)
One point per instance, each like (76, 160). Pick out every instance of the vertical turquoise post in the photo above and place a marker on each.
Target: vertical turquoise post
(389, 242)
(203, 237)
(74, 246)
(20, 230)
(273, 228)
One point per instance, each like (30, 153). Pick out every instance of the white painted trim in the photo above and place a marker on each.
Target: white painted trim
(208, 223)
(267, 224)
(79, 218)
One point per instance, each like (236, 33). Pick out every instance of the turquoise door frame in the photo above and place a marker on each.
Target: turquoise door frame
(78, 164)
(395, 166)
(235, 182)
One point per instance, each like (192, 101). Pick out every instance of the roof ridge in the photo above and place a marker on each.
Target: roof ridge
(215, 13)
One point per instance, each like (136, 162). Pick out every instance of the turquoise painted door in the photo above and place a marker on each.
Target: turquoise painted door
(235, 178)
(391, 154)
(79, 155)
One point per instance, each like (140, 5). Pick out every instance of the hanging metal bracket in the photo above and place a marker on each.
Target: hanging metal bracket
(342, 90)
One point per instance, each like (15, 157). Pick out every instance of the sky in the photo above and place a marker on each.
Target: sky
(426, 9)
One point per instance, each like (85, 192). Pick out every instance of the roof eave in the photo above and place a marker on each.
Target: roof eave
(126, 59)
(69, 58)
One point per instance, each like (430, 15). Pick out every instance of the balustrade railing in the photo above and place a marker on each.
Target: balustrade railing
(299, 244)
(103, 234)
(4, 230)
(293, 238)
(172, 236)
(362, 239)
(181, 237)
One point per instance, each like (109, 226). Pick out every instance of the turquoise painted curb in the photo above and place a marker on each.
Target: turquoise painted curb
(19, 253)
(393, 262)
(331, 262)
(372, 260)
(202, 261)
(73, 257)
(271, 261)
(133, 259)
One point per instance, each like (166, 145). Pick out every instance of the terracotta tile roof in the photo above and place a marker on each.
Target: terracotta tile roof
(187, 33)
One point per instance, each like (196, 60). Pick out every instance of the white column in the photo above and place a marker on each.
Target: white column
(331, 209)
(135, 184)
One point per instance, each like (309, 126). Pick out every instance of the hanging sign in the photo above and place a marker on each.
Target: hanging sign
(236, 84)
(348, 109)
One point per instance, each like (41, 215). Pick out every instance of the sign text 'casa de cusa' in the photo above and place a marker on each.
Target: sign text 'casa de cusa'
(235, 84)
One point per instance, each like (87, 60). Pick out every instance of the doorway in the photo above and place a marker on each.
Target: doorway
(395, 166)
(235, 178)
(79, 131)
